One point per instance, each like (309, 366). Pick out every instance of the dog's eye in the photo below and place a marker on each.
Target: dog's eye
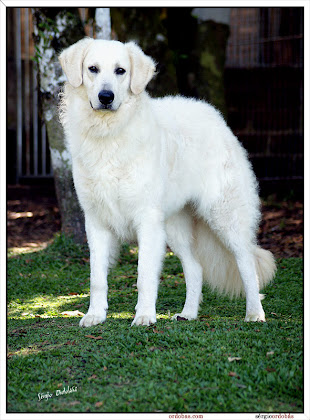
(93, 69)
(119, 70)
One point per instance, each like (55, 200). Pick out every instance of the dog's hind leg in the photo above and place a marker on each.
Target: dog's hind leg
(246, 265)
(236, 234)
(193, 277)
(179, 230)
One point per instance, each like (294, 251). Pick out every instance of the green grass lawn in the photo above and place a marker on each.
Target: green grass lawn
(217, 363)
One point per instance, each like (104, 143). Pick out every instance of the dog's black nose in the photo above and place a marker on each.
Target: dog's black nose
(106, 97)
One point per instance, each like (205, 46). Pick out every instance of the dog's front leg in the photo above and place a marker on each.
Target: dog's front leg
(102, 245)
(152, 243)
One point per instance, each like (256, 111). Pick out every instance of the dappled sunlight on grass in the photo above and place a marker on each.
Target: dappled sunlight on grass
(47, 306)
(33, 350)
(32, 247)
(120, 315)
(130, 315)
(134, 250)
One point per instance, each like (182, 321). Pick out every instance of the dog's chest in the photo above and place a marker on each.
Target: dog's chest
(112, 188)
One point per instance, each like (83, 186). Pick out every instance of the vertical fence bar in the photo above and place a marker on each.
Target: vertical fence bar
(27, 92)
(43, 148)
(19, 128)
(35, 121)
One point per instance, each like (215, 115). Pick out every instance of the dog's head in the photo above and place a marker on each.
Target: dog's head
(109, 70)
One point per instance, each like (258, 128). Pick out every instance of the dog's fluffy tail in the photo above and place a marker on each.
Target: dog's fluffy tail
(220, 270)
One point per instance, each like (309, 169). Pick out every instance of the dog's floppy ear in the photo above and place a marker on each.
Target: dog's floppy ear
(142, 68)
(71, 60)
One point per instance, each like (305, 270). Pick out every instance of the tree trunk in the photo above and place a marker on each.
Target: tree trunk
(103, 23)
(72, 218)
(54, 30)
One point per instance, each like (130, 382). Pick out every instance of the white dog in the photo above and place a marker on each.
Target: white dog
(158, 171)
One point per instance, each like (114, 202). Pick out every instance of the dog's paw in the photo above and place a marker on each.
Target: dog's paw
(144, 320)
(184, 317)
(255, 317)
(92, 319)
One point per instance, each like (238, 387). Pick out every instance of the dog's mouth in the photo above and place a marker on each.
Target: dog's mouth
(102, 107)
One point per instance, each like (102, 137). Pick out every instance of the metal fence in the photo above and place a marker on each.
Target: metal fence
(265, 37)
(264, 90)
(32, 153)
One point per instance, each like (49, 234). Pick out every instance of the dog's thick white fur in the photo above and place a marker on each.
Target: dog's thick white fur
(159, 171)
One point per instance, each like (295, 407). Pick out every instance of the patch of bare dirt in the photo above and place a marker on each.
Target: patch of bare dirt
(282, 228)
(32, 217)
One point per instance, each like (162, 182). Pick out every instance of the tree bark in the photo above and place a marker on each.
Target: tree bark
(103, 23)
(55, 29)
(72, 218)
